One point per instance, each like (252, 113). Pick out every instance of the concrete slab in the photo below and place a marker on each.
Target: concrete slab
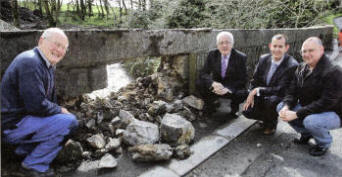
(202, 150)
(235, 128)
(158, 172)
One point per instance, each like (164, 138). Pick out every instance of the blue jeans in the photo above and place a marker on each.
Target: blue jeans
(315, 125)
(39, 138)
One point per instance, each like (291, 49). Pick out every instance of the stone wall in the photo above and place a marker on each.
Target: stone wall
(84, 67)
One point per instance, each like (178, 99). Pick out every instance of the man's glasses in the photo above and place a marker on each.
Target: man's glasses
(58, 45)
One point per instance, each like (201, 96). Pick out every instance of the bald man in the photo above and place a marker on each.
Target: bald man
(30, 115)
(313, 103)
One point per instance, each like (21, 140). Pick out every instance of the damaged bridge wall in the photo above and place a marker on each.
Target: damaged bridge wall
(84, 67)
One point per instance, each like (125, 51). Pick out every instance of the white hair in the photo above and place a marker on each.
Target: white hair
(48, 32)
(225, 33)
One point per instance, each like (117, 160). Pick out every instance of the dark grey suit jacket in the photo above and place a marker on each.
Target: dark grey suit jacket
(280, 79)
(236, 74)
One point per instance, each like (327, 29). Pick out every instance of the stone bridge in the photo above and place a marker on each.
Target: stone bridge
(84, 67)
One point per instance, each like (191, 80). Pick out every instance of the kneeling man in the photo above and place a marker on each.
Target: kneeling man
(313, 103)
(270, 79)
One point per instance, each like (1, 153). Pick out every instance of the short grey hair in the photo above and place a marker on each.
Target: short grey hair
(48, 32)
(225, 33)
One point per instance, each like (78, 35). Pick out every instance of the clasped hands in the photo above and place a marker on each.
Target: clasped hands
(287, 115)
(219, 89)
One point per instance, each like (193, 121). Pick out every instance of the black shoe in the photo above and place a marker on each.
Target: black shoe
(34, 173)
(317, 150)
(302, 140)
(233, 115)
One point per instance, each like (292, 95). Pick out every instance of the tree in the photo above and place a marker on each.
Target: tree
(15, 13)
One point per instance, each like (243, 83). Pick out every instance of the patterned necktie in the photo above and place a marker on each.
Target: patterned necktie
(224, 66)
(271, 72)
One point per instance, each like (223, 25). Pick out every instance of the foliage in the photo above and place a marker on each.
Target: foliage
(142, 66)
(189, 14)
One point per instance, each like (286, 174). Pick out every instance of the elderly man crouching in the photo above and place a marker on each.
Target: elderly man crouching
(30, 116)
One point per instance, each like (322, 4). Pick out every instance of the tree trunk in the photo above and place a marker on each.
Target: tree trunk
(102, 12)
(125, 7)
(120, 12)
(106, 5)
(144, 5)
(15, 13)
(90, 10)
(131, 4)
(40, 7)
(83, 9)
(51, 21)
(78, 8)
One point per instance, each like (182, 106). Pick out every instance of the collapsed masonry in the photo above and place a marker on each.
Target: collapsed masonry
(151, 117)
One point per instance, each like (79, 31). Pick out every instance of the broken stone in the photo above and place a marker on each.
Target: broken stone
(186, 112)
(157, 108)
(194, 102)
(100, 152)
(119, 150)
(99, 117)
(169, 108)
(182, 151)
(97, 141)
(86, 154)
(108, 161)
(91, 124)
(178, 105)
(112, 144)
(72, 151)
(125, 118)
(119, 132)
(141, 132)
(151, 152)
(116, 122)
(111, 129)
(87, 166)
(176, 130)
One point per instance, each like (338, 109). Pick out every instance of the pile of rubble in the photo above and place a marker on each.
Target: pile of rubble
(149, 117)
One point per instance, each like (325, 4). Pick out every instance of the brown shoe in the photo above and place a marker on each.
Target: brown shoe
(269, 131)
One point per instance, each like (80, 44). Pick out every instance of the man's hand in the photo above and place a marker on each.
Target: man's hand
(282, 112)
(221, 91)
(217, 86)
(288, 115)
(250, 99)
(65, 111)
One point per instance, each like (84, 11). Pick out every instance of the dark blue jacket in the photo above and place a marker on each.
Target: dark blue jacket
(27, 88)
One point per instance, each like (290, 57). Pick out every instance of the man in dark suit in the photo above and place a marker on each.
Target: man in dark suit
(223, 75)
(270, 79)
(313, 103)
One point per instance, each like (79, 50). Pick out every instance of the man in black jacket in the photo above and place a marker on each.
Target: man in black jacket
(313, 103)
(223, 75)
(270, 79)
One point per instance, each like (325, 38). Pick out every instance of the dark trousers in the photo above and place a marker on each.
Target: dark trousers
(209, 98)
(264, 109)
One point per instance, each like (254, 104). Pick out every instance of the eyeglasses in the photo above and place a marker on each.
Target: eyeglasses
(58, 45)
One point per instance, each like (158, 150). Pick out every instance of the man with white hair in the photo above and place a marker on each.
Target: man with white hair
(313, 105)
(30, 115)
(223, 75)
